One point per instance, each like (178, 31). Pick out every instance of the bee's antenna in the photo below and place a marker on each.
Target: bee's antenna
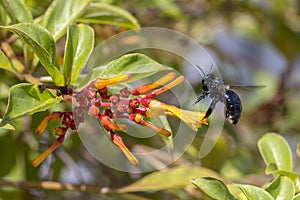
(201, 70)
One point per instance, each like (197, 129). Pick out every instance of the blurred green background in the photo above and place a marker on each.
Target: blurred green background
(253, 42)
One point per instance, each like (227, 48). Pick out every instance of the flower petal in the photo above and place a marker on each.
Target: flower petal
(117, 140)
(148, 87)
(109, 125)
(42, 126)
(102, 82)
(52, 148)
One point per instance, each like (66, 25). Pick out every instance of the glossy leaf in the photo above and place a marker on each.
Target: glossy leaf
(80, 43)
(255, 193)
(276, 151)
(214, 188)
(171, 178)
(42, 44)
(4, 63)
(7, 126)
(17, 10)
(61, 14)
(138, 65)
(25, 99)
(282, 188)
(103, 13)
(292, 175)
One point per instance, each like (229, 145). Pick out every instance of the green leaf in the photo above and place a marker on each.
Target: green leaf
(25, 99)
(297, 197)
(3, 16)
(8, 150)
(5, 64)
(292, 175)
(171, 178)
(103, 13)
(80, 43)
(214, 188)
(42, 43)
(255, 193)
(7, 126)
(276, 151)
(138, 65)
(17, 10)
(61, 14)
(282, 188)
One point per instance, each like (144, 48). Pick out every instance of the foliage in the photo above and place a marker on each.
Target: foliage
(50, 42)
(277, 155)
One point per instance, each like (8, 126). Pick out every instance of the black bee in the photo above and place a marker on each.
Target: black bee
(215, 88)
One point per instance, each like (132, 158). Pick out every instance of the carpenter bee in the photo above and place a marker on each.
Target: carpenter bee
(215, 88)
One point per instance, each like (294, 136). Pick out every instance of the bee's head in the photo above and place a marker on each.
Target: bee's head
(209, 78)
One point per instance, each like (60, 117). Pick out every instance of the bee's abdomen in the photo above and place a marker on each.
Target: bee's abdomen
(233, 107)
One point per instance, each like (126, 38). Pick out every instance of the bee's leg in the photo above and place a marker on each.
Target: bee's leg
(211, 108)
(202, 96)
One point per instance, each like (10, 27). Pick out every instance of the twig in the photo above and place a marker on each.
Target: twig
(51, 185)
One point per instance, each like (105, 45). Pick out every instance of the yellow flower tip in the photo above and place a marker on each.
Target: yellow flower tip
(172, 84)
(156, 105)
(103, 82)
(165, 79)
(154, 113)
(44, 155)
(193, 119)
(117, 140)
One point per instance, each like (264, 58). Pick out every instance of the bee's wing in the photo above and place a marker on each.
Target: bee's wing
(245, 87)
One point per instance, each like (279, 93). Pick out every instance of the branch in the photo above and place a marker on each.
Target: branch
(50, 185)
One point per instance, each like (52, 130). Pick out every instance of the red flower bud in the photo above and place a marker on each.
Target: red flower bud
(90, 93)
(93, 110)
(96, 102)
(125, 92)
(114, 99)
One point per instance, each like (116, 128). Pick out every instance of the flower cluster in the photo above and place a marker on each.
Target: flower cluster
(137, 105)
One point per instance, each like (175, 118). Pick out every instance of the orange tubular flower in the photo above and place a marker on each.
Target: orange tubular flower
(109, 126)
(140, 120)
(174, 83)
(53, 116)
(102, 82)
(192, 119)
(52, 148)
(148, 87)
(117, 140)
